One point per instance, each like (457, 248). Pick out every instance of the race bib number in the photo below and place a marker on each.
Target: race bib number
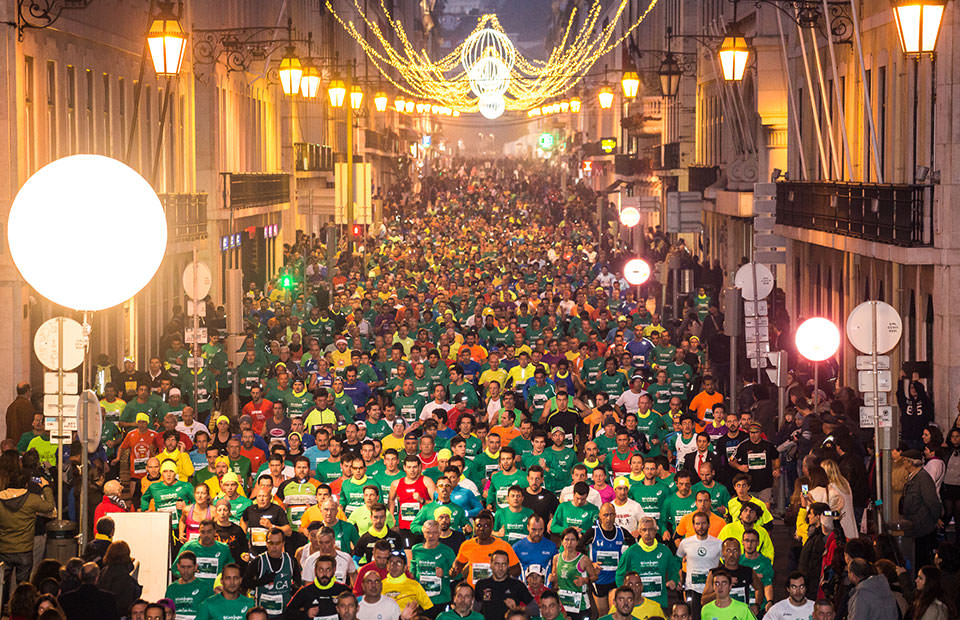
(572, 601)
(258, 536)
(409, 510)
(481, 571)
(608, 560)
(431, 584)
(756, 460)
(140, 466)
(207, 568)
(652, 586)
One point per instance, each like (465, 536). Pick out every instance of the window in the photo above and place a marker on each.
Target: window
(106, 144)
(51, 110)
(867, 146)
(91, 132)
(881, 106)
(28, 112)
(122, 108)
(72, 138)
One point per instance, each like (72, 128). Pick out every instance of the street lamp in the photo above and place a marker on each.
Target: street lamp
(629, 216)
(409, 106)
(400, 104)
(669, 75)
(817, 339)
(380, 101)
(631, 84)
(356, 97)
(918, 24)
(166, 40)
(337, 91)
(310, 80)
(575, 105)
(734, 54)
(605, 96)
(290, 72)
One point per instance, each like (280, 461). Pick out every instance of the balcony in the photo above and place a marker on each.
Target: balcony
(245, 190)
(671, 156)
(385, 142)
(896, 214)
(186, 216)
(312, 157)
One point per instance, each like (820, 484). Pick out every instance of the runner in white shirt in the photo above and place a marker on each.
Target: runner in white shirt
(375, 606)
(629, 512)
(702, 553)
(796, 606)
(579, 474)
(629, 401)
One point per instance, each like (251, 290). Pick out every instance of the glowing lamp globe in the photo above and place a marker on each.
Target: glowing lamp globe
(64, 225)
(817, 339)
(636, 271)
(629, 217)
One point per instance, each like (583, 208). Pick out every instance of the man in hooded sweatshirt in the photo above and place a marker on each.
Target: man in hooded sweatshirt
(871, 598)
(20, 503)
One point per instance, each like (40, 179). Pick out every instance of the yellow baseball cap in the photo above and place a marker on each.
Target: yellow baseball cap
(444, 454)
(142, 417)
(230, 477)
(621, 481)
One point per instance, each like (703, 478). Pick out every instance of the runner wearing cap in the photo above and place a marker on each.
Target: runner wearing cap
(141, 443)
(169, 495)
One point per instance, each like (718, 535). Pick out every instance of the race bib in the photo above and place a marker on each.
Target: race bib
(140, 466)
(258, 536)
(207, 568)
(431, 584)
(756, 460)
(608, 560)
(572, 601)
(273, 603)
(698, 579)
(481, 571)
(409, 510)
(652, 586)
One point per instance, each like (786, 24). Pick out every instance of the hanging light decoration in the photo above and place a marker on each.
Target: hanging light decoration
(310, 80)
(487, 62)
(575, 105)
(356, 97)
(380, 101)
(631, 84)
(605, 96)
(399, 104)
(166, 40)
(337, 91)
(492, 106)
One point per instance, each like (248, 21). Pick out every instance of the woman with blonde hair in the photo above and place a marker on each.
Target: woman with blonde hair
(840, 487)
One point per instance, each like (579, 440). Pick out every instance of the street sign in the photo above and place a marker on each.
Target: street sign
(865, 362)
(195, 308)
(768, 241)
(755, 308)
(867, 417)
(874, 380)
(889, 327)
(764, 224)
(194, 362)
(744, 282)
(778, 374)
(47, 343)
(52, 423)
(756, 362)
(190, 336)
(684, 212)
(761, 334)
(51, 406)
(881, 398)
(197, 280)
(71, 383)
(751, 322)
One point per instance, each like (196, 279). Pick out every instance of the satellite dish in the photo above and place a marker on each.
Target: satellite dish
(93, 425)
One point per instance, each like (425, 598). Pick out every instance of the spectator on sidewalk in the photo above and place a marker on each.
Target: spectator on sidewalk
(20, 504)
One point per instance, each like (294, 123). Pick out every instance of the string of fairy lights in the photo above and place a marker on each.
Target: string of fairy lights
(486, 73)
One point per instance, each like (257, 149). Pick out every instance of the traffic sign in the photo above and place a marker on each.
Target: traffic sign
(744, 281)
(761, 334)
(874, 380)
(51, 383)
(47, 343)
(860, 327)
(867, 415)
(52, 423)
(93, 424)
(194, 362)
(200, 309)
(755, 308)
(882, 399)
(771, 257)
(189, 336)
(197, 280)
(52, 405)
(865, 362)
(757, 362)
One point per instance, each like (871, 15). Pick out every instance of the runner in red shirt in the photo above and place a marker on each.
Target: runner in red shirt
(142, 443)
(259, 409)
(409, 494)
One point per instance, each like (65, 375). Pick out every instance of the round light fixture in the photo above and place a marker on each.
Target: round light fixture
(64, 225)
(636, 271)
(817, 339)
(629, 217)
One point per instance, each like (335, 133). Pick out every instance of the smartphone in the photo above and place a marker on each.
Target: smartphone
(804, 488)
(831, 513)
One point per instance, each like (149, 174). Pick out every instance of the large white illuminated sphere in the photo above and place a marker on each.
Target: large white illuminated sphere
(87, 232)
(489, 76)
(492, 106)
(629, 217)
(817, 339)
(636, 271)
